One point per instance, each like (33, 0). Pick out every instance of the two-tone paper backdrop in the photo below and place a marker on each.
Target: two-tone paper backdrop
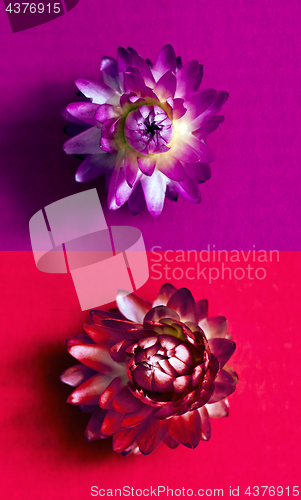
(251, 49)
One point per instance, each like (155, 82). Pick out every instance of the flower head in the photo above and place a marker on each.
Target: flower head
(154, 377)
(144, 127)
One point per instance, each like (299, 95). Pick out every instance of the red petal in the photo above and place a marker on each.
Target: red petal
(183, 303)
(134, 418)
(89, 392)
(112, 423)
(186, 429)
(125, 438)
(171, 443)
(152, 436)
(107, 397)
(76, 375)
(205, 423)
(125, 402)
(93, 428)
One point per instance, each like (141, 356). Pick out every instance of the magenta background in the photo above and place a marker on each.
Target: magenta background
(249, 48)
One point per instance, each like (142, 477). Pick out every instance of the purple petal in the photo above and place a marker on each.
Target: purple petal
(133, 80)
(187, 78)
(197, 103)
(171, 167)
(179, 108)
(99, 92)
(166, 291)
(139, 63)
(199, 79)
(219, 409)
(94, 166)
(208, 127)
(216, 106)
(183, 303)
(147, 164)
(205, 154)
(154, 188)
(106, 112)
(85, 143)
(152, 436)
(186, 429)
(165, 61)
(84, 111)
(132, 306)
(131, 167)
(119, 189)
(76, 375)
(89, 392)
(202, 171)
(109, 69)
(183, 151)
(136, 200)
(70, 118)
(222, 349)
(179, 62)
(166, 86)
(92, 431)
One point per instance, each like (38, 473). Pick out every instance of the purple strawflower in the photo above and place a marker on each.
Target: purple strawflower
(144, 126)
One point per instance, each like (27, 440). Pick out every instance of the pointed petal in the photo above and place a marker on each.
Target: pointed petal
(202, 309)
(94, 166)
(202, 171)
(171, 442)
(109, 69)
(84, 111)
(183, 303)
(89, 392)
(133, 80)
(105, 112)
(139, 63)
(103, 335)
(181, 150)
(134, 418)
(205, 423)
(125, 402)
(208, 127)
(179, 108)
(186, 429)
(154, 188)
(166, 291)
(112, 423)
(158, 312)
(147, 164)
(95, 357)
(198, 79)
(224, 384)
(99, 92)
(125, 438)
(187, 78)
(152, 436)
(76, 375)
(85, 143)
(198, 103)
(214, 327)
(92, 431)
(171, 167)
(136, 200)
(107, 397)
(222, 349)
(166, 86)
(205, 154)
(219, 409)
(132, 306)
(165, 61)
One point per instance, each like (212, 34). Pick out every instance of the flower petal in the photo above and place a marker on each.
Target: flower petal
(139, 63)
(214, 327)
(183, 303)
(197, 103)
(107, 397)
(112, 423)
(224, 384)
(205, 154)
(166, 291)
(219, 409)
(99, 92)
(147, 164)
(171, 442)
(132, 306)
(202, 309)
(95, 357)
(89, 392)
(76, 375)
(92, 431)
(105, 112)
(166, 86)
(153, 435)
(158, 312)
(125, 402)
(199, 78)
(181, 150)
(154, 188)
(171, 167)
(202, 171)
(133, 80)
(186, 78)
(125, 438)
(165, 61)
(134, 418)
(84, 111)
(95, 165)
(109, 69)
(103, 335)
(222, 349)
(205, 424)
(136, 200)
(85, 143)
(208, 127)
(186, 429)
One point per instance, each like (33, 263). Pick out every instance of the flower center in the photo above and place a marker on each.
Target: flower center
(148, 130)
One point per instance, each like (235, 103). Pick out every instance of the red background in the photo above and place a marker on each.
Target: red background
(44, 452)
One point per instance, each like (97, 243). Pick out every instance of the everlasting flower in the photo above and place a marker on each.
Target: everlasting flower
(157, 376)
(144, 127)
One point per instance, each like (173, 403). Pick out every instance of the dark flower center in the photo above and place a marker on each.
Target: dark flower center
(150, 128)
